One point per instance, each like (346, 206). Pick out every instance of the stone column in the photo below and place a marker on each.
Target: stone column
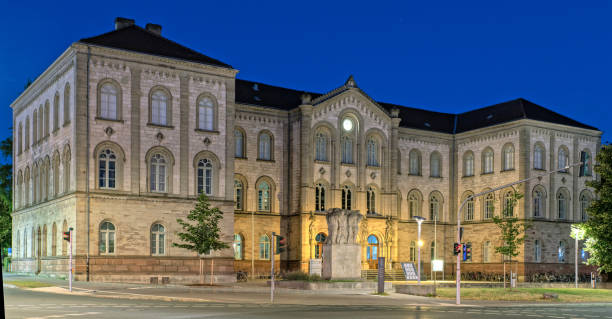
(551, 178)
(574, 200)
(230, 119)
(524, 166)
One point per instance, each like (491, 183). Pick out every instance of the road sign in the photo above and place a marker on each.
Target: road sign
(437, 265)
(410, 271)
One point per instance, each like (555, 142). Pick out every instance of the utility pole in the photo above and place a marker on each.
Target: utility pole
(70, 261)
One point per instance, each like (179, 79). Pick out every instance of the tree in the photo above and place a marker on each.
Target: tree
(6, 186)
(598, 228)
(203, 236)
(512, 232)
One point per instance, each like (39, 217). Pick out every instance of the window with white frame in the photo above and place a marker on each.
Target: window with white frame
(264, 247)
(321, 146)
(487, 161)
(263, 197)
(206, 113)
(469, 209)
(414, 162)
(157, 177)
(347, 149)
(538, 157)
(508, 157)
(159, 108)
(238, 251)
(372, 152)
(158, 240)
(107, 238)
(468, 164)
(107, 164)
(239, 137)
(265, 152)
(205, 176)
(108, 101)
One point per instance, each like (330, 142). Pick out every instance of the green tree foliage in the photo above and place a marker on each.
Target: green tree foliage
(512, 230)
(6, 185)
(202, 234)
(598, 228)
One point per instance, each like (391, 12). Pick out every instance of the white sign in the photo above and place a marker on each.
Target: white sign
(437, 265)
(409, 271)
(315, 267)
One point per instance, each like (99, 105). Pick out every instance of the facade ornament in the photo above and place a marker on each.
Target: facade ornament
(109, 131)
(350, 82)
(363, 234)
(311, 219)
(159, 136)
(348, 173)
(563, 180)
(395, 112)
(343, 226)
(306, 98)
(206, 141)
(322, 170)
(373, 175)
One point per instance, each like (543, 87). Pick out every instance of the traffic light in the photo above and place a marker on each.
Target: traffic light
(456, 249)
(464, 252)
(468, 251)
(67, 236)
(281, 244)
(584, 164)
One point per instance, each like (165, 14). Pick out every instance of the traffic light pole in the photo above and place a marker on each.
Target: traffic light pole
(70, 261)
(272, 254)
(458, 297)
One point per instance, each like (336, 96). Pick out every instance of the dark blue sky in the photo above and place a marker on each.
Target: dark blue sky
(444, 56)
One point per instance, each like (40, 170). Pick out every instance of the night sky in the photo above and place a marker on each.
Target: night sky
(444, 56)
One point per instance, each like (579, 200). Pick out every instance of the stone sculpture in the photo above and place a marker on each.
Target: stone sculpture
(341, 253)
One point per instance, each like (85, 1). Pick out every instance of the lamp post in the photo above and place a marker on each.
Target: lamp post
(419, 220)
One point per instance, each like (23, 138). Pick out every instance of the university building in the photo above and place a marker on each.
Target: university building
(119, 135)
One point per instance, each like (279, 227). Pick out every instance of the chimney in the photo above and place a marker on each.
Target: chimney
(154, 28)
(121, 23)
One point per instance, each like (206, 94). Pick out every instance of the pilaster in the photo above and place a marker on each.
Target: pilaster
(135, 129)
(184, 135)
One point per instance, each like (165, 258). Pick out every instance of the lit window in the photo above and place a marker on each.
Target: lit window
(263, 197)
(107, 238)
(265, 147)
(238, 253)
(158, 241)
(264, 247)
(509, 157)
(372, 249)
(468, 167)
(488, 206)
(487, 161)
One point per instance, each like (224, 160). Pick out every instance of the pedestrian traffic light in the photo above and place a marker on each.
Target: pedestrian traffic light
(468, 251)
(456, 249)
(584, 164)
(281, 244)
(67, 236)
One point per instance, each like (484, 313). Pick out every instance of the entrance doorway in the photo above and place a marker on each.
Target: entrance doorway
(372, 252)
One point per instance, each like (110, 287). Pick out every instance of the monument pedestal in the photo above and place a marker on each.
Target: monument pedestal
(341, 261)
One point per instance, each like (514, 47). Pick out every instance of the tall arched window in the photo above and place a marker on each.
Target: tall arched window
(56, 177)
(508, 157)
(67, 104)
(263, 197)
(158, 173)
(434, 208)
(538, 157)
(108, 101)
(488, 206)
(372, 249)
(435, 165)
(372, 152)
(319, 198)
(20, 139)
(468, 164)
(44, 241)
(537, 250)
(41, 124)
(469, 209)
(347, 149)
(54, 240)
(264, 247)
(34, 128)
(238, 249)
(158, 240)
(585, 202)
(414, 162)
(66, 169)
(159, 108)
(538, 201)
(46, 119)
(321, 147)
(26, 141)
(508, 204)
(413, 204)
(347, 197)
(107, 161)
(206, 113)
(561, 251)
(563, 159)
(107, 238)
(205, 176)
(320, 240)
(371, 200)
(487, 161)
(561, 205)
(239, 137)
(265, 147)
(17, 246)
(238, 195)
(486, 251)
(412, 251)
(585, 170)
(56, 112)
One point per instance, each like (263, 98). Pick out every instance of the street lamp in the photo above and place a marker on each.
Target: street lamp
(419, 220)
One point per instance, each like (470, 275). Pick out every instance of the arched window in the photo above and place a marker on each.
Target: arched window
(64, 243)
(159, 108)
(561, 251)
(34, 128)
(414, 162)
(585, 202)
(108, 102)
(107, 238)
(319, 198)
(264, 247)
(320, 240)
(563, 159)
(586, 168)
(41, 124)
(508, 204)
(56, 177)
(158, 240)
(321, 147)
(44, 241)
(372, 152)
(371, 200)
(469, 209)
(20, 139)
(238, 195)
(538, 157)
(413, 204)
(238, 251)
(434, 208)
(107, 163)
(27, 190)
(66, 169)
(486, 251)
(263, 197)
(372, 249)
(347, 197)
(17, 246)
(67, 104)
(265, 147)
(487, 161)
(239, 137)
(537, 250)
(158, 174)
(26, 141)
(508, 157)
(56, 112)
(46, 119)
(435, 164)
(413, 251)
(538, 202)
(488, 206)
(206, 114)
(561, 205)
(54, 240)
(347, 149)
(468, 164)
(205, 176)
(432, 250)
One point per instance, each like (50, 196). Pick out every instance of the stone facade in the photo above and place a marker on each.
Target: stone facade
(392, 172)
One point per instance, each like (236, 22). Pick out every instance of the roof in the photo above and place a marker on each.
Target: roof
(137, 39)
(255, 93)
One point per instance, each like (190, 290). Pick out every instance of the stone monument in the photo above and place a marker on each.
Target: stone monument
(341, 253)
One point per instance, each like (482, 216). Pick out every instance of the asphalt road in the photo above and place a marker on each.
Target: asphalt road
(21, 303)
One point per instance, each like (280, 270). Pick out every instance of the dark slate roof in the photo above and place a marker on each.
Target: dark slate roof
(255, 93)
(135, 38)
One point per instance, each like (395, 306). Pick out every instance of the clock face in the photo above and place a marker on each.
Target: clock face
(347, 125)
